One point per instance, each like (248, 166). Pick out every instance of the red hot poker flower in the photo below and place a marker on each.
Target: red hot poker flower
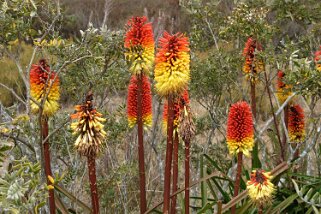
(252, 65)
(146, 102)
(240, 133)
(139, 42)
(172, 70)
(280, 82)
(42, 79)
(260, 187)
(89, 128)
(296, 124)
(283, 90)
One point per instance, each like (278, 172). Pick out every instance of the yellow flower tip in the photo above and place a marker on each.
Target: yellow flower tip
(245, 146)
(50, 187)
(51, 179)
(148, 120)
(260, 187)
(132, 121)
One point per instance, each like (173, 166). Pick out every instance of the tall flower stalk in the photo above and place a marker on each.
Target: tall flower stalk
(252, 67)
(44, 91)
(139, 44)
(240, 137)
(172, 76)
(180, 105)
(89, 129)
(186, 131)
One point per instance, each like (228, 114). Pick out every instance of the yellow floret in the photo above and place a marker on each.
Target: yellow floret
(244, 146)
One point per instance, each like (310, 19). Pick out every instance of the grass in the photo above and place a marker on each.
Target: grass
(10, 77)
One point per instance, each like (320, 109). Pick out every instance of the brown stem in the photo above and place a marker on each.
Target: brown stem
(142, 183)
(253, 108)
(169, 154)
(219, 207)
(46, 152)
(260, 209)
(93, 184)
(274, 119)
(237, 179)
(187, 171)
(175, 172)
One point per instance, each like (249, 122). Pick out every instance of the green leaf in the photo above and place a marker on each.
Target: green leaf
(73, 198)
(284, 204)
(211, 189)
(245, 207)
(203, 184)
(219, 187)
(213, 163)
(256, 163)
(208, 208)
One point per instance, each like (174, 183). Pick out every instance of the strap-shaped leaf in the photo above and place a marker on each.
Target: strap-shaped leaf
(310, 195)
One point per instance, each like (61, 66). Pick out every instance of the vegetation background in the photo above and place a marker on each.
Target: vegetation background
(87, 50)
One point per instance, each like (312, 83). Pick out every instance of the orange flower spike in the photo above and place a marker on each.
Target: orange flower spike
(172, 70)
(260, 187)
(283, 90)
(240, 133)
(317, 59)
(146, 102)
(42, 80)
(252, 66)
(249, 48)
(139, 42)
(296, 124)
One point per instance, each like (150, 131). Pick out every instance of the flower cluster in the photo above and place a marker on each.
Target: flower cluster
(44, 84)
(181, 104)
(172, 72)
(296, 124)
(260, 187)
(50, 43)
(132, 102)
(253, 65)
(89, 127)
(283, 90)
(240, 133)
(317, 59)
(139, 42)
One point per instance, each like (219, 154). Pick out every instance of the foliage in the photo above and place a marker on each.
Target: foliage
(21, 189)
(92, 58)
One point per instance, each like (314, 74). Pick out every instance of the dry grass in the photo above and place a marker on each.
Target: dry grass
(10, 76)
